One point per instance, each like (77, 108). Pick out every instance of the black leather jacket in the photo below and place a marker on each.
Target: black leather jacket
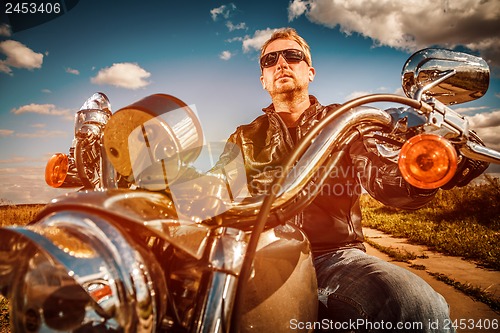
(333, 220)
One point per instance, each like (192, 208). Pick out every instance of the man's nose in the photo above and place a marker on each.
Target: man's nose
(281, 62)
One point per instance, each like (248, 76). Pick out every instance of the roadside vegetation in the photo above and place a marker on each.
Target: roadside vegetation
(4, 315)
(462, 222)
(18, 214)
(14, 215)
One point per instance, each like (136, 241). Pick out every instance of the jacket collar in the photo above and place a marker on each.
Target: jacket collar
(311, 111)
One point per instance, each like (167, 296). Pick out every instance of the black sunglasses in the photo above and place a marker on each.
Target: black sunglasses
(290, 55)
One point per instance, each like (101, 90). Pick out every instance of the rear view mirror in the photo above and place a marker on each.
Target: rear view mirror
(449, 76)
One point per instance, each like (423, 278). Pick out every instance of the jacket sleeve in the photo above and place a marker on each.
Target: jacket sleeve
(382, 179)
(231, 166)
(231, 150)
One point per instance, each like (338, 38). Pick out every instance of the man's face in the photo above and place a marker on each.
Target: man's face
(284, 77)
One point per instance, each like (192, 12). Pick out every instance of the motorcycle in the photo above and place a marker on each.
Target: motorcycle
(157, 241)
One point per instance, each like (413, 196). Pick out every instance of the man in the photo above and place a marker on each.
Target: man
(353, 286)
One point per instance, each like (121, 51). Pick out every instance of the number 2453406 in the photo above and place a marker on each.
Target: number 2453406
(32, 8)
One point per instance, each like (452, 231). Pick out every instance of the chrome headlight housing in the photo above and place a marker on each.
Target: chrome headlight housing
(74, 270)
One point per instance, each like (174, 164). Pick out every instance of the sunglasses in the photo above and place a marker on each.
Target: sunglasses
(291, 56)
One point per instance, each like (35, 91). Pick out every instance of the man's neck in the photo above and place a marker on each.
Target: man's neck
(291, 108)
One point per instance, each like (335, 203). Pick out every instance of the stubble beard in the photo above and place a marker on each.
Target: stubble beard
(289, 91)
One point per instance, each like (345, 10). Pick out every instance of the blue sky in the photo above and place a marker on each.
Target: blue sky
(205, 53)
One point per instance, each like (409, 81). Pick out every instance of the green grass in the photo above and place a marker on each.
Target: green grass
(476, 293)
(18, 214)
(395, 253)
(4, 315)
(462, 222)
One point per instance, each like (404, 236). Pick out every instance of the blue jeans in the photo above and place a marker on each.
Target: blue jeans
(361, 293)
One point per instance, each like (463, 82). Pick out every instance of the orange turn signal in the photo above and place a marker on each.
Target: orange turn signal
(56, 170)
(427, 161)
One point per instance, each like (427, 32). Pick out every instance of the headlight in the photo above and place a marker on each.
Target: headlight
(76, 271)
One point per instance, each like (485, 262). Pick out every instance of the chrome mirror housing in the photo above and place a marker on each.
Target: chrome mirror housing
(449, 76)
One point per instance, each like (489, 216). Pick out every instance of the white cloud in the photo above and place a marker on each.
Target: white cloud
(22, 185)
(18, 56)
(46, 91)
(72, 71)
(412, 25)
(14, 160)
(257, 40)
(43, 134)
(296, 9)
(6, 132)
(486, 119)
(470, 109)
(225, 55)
(46, 109)
(5, 68)
(489, 135)
(356, 94)
(224, 11)
(234, 39)
(124, 75)
(239, 26)
(5, 30)
(487, 126)
(379, 90)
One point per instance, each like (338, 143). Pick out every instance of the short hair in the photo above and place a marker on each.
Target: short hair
(291, 34)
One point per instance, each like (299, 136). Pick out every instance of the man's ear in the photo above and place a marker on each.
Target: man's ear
(312, 73)
(262, 81)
